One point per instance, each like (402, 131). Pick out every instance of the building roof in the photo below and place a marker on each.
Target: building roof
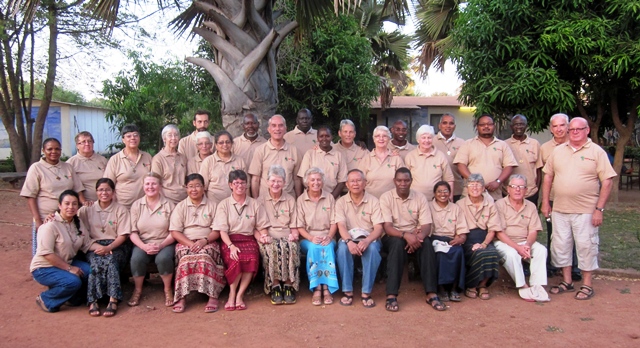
(402, 102)
(37, 103)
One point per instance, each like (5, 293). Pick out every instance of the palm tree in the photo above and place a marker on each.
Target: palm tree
(435, 20)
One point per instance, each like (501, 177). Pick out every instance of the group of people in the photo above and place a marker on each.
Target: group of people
(206, 210)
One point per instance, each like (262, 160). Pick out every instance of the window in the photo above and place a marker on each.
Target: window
(434, 119)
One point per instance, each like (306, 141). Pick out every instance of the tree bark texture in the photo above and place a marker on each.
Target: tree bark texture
(244, 40)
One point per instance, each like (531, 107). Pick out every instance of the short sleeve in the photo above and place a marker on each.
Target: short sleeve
(220, 221)
(425, 212)
(176, 223)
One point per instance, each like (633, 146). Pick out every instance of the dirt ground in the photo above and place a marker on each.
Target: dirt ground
(609, 319)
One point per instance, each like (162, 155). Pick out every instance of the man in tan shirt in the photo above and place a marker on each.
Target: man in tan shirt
(407, 223)
(526, 150)
(359, 220)
(303, 137)
(187, 145)
(351, 152)
(399, 142)
(582, 178)
(245, 144)
(517, 240)
(275, 151)
(449, 144)
(486, 155)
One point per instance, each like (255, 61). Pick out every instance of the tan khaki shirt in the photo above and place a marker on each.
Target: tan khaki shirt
(316, 217)
(403, 151)
(351, 155)
(89, 170)
(235, 218)
(173, 169)
(450, 147)
(61, 238)
(302, 141)
(486, 160)
(332, 164)
(194, 164)
(577, 176)
(187, 145)
(244, 148)
(518, 223)
(527, 154)
(282, 214)
(545, 151)
(193, 221)
(364, 215)
(266, 155)
(152, 225)
(448, 221)
(406, 215)
(108, 223)
(427, 169)
(45, 182)
(128, 176)
(486, 217)
(379, 174)
(215, 172)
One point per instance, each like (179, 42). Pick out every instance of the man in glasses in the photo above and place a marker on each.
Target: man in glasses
(582, 177)
(526, 150)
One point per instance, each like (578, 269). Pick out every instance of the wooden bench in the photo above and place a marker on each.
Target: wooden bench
(15, 178)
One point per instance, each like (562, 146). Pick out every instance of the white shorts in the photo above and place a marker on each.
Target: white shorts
(570, 228)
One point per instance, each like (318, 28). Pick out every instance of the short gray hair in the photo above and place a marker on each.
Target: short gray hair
(277, 116)
(517, 176)
(382, 129)
(277, 170)
(559, 115)
(204, 134)
(169, 128)
(475, 177)
(311, 171)
(425, 129)
(347, 122)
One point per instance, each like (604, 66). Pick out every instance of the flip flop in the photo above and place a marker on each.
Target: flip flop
(346, 300)
(41, 304)
(392, 304)
(229, 307)
(240, 307)
(368, 302)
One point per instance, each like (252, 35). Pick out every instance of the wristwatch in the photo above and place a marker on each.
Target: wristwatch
(498, 181)
(601, 209)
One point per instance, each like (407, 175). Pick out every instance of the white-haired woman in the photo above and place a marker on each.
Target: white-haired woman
(380, 165)
(316, 224)
(204, 143)
(280, 254)
(427, 164)
(171, 165)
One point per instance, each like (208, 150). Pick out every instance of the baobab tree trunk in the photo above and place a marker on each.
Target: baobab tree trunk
(244, 41)
(625, 130)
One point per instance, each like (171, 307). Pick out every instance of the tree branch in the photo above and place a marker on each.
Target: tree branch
(282, 33)
(242, 40)
(232, 54)
(233, 98)
(251, 61)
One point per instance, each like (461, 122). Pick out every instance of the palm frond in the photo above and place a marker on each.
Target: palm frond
(435, 20)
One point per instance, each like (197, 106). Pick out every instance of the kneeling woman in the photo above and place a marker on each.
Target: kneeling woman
(109, 225)
(151, 238)
(53, 265)
(240, 220)
(450, 227)
(200, 266)
(316, 221)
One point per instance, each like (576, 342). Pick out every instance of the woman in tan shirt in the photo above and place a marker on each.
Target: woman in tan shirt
(204, 143)
(53, 265)
(88, 165)
(109, 226)
(449, 234)
(200, 266)
(215, 169)
(151, 238)
(171, 165)
(427, 164)
(280, 253)
(379, 166)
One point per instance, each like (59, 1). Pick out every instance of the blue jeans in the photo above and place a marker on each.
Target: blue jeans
(370, 261)
(63, 285)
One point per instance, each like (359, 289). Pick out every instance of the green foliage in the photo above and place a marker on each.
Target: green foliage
(330, 73)
(60, 94)
(152, 95)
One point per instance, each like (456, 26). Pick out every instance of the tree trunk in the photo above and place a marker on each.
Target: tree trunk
(625, 130)
(244, 41)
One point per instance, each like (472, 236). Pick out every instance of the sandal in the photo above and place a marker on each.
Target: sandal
(436, 304)
(562, 287)
(168, 298)
(41, 304)
(94, 310)
(392, 304)
(111, 309)
(471, 293)
(346, 300)
(455, 296)
(240, 307)
(229, 306)
(316, 300)
(484, 294)
(328, 299)
(585, 293)
(211, 308)
(444, 296)
(368, 302)
(135, 299)
(179, 306)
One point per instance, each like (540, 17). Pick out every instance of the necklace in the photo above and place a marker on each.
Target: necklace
(57, 172)
(72, 236)
(275, 209)
(103, 223)
(241, 210)
(132, 163)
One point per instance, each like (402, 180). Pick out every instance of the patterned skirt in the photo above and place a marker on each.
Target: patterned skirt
(248, 257)
(451, 267)
(201, 271)
(281, 262)
(482, 263)
(104, 279)
(321, 265)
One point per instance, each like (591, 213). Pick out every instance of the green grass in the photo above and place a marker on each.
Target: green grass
(619, 238)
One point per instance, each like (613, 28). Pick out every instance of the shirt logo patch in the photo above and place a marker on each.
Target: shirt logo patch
(587, 159)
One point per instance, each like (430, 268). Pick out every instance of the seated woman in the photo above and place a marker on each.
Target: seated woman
(109, 225)
(449, 227)
(280, 254)
(480, 254)
(316, 224)
(53, 265)
(151, 238)
(200, 266)
(240, 220)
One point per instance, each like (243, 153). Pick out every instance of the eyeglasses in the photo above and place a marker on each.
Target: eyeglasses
(474, 184)
(194, 187)
(108, 190)
(577, 129)
(208, 143)
(239, 183)
(225, 142)
(518, 187)
(132, 135)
